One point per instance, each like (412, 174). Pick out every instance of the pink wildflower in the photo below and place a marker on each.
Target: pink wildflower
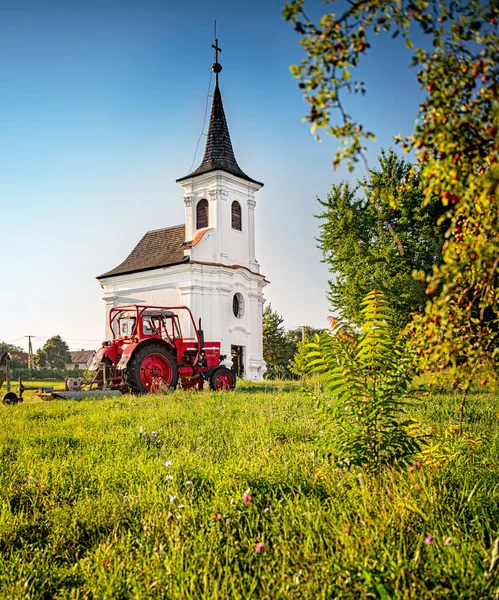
(259, 547)
(246, 497)
(428, 539)
(266, 510)
(448, 541)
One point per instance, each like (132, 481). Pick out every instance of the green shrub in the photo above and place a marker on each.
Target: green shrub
(366, 380)
(46, 374)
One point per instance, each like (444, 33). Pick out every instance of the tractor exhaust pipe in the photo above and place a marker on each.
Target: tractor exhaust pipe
(201, 337)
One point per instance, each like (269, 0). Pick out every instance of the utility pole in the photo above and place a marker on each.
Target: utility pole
(30, 352)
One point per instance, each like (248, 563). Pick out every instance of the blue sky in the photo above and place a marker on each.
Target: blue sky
(101, 108)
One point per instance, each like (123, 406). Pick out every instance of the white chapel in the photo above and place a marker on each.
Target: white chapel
(207, 264)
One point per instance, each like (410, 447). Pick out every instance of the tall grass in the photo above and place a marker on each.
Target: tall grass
(89, 509)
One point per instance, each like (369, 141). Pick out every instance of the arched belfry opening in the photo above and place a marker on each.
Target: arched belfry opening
(202, 214)
(236, 216)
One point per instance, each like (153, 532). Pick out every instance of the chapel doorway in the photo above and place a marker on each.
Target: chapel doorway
(237, 353)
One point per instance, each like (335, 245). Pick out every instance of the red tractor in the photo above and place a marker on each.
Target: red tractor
(148, 353)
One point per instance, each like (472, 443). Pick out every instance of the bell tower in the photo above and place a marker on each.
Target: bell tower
(219, 197)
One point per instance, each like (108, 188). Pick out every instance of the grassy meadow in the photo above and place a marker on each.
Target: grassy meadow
(95, 505)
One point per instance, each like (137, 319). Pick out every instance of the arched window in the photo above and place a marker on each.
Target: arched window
(236, 216)
(202, 214)
(238, 305)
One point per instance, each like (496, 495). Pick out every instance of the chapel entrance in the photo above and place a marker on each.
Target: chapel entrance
(237, 353)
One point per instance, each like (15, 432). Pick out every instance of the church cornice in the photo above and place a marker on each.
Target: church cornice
(157, 271)
(106, 279)
(232, 267)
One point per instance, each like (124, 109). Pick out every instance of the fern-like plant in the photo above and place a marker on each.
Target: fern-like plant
(363, 410)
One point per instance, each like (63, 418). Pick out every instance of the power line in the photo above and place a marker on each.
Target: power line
(38, 337)
(81, 340)
(17, 339)
(208, 96)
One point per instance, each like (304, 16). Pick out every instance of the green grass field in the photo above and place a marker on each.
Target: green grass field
(92, 508)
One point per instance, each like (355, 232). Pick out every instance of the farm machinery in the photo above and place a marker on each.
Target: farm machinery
(147, 353)
(9, 397)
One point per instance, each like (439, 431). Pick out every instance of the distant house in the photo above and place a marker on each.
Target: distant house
(81, 359)
(20, 356)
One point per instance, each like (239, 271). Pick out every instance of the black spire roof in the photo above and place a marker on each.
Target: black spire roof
(218, 154)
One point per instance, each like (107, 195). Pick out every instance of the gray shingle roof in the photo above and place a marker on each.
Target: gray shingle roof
(81, 356)
(218, 154)
(159, 248)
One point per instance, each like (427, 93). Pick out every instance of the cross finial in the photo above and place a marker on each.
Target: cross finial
(216, 67)
(217, 50)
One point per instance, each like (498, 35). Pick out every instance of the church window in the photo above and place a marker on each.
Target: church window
(236, 216)
(238, 306)
(202, 214)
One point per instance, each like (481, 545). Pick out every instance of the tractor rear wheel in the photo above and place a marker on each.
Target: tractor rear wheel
(151, 368)
(222, 379)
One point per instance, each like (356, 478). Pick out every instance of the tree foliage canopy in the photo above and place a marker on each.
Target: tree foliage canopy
(277, 349)
(360, 250)
(6, 347)
(54, 354)
(16, 362)
(455, 138)
(300, 337)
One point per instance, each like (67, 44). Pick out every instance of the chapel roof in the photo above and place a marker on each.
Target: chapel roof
(218, 153)
(158, 248)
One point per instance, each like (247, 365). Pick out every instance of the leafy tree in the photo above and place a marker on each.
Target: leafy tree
(277, 349)
(300, 337)
(16, 363)
(363, 422)
(298, 365)
(6, 347)
(302, 333)
(54, 354)
(456, 141)
(360, 250)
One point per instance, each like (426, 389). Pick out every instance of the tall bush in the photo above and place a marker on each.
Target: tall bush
(46, 374)
(363, 412)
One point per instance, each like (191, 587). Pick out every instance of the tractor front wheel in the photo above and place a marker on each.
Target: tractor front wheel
(222, 379)
(151, 368)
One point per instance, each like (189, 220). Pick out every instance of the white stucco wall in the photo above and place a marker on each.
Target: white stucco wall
(229, 246)
(208, 290)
